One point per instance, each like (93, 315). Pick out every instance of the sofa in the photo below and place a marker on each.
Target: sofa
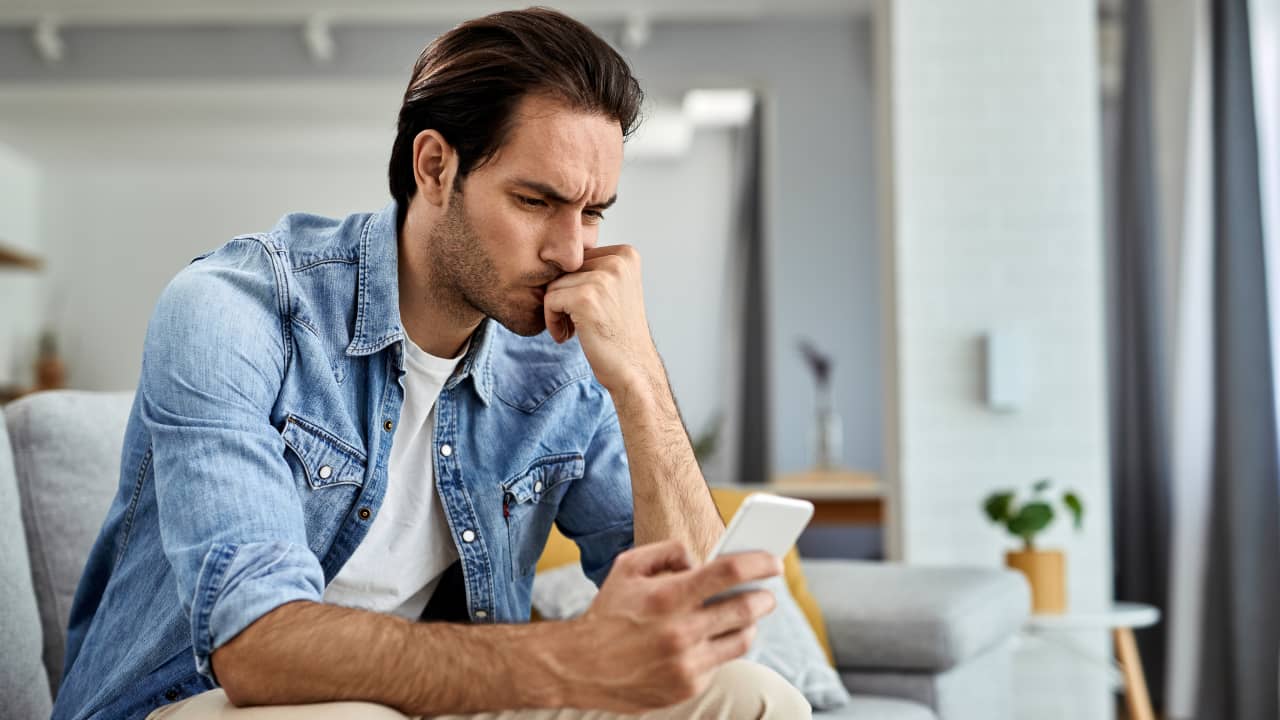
(910, 643)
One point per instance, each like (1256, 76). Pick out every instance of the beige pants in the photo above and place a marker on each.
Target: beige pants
(739, 690)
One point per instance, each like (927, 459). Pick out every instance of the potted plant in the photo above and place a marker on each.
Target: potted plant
(1045, 569)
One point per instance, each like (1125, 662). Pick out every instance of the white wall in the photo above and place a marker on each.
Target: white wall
(147, 178)
(992, 222)
(685, 249)
(822, 260)
(21, 304)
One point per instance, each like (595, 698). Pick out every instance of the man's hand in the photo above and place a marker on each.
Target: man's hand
(603, 302)
(647, 641)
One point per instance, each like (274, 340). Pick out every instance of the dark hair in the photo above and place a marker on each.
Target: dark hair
(467, 83)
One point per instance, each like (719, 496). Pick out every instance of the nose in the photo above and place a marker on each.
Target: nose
(562, 244)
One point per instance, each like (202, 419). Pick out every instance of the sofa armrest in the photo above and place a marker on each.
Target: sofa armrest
(883, 616)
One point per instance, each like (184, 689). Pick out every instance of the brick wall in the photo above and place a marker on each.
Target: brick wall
(990, 160)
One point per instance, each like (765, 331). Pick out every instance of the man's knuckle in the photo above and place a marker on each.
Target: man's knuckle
(625, 559)
(659, 601)
(672, 640)
(685, 676)
(733, 572)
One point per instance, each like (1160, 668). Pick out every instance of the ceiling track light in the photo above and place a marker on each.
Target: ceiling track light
(47, 39)
(318, 36)
(636, 31)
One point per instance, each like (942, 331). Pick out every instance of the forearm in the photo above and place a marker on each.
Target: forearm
(670, 495)
(306, 652)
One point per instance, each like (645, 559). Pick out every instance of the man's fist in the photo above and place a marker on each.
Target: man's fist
(603, 302)
(648, 640)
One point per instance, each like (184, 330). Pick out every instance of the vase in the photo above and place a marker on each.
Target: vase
(51, 372)
(828, 433)
(1046, 571)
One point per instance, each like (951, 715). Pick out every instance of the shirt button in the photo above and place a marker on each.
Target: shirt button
(325, 472)
(537, 487)
(388, 425)
(468, 536)
(364, 513)
(445, 450)
(482, 614)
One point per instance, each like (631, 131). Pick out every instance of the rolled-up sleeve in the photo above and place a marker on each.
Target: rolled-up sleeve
(232, 525)
(598, 512)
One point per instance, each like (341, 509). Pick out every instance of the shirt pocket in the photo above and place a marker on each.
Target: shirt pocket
(530, 501)
(324, 460)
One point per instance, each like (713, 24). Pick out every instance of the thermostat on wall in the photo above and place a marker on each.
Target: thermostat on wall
(1002, 360)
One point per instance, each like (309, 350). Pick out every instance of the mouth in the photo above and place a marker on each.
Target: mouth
(539, 293)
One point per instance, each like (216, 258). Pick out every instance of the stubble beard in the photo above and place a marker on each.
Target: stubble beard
(466, 280)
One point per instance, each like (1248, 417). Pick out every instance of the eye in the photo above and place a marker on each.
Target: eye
(532, 202)
(593, 216)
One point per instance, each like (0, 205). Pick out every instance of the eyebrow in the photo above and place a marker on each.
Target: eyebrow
(552, 194)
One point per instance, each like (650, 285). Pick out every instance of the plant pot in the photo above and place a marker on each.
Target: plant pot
(1046, 571)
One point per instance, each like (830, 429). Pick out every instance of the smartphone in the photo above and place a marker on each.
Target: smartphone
(764, 522)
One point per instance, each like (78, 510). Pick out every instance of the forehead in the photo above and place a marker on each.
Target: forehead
(579, 153)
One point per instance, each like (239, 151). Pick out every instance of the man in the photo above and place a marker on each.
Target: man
(346, 428)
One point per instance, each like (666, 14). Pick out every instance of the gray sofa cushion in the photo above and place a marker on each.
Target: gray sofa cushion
(977, 689)
(24, 690)
(864, 707)
(66, 451)
(882, 616)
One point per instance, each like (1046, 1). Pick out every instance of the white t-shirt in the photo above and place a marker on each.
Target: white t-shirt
(398, 564)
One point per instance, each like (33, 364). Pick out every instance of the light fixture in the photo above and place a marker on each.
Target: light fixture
(719, 108)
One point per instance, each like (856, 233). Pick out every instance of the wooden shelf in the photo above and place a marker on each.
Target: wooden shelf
(14, 258)
(839, 497)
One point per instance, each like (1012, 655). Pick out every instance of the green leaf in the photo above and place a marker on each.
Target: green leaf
(1072, 501)
(998, 505)
(704, 445)
(1041, 485)
(1030, 520)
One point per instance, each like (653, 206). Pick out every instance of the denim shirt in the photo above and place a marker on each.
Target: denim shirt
(255, 459)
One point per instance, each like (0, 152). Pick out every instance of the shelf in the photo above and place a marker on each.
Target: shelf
(14, 258)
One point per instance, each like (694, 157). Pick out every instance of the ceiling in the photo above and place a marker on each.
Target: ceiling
(236, 12)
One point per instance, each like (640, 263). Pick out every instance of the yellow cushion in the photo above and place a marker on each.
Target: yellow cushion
(562, 551)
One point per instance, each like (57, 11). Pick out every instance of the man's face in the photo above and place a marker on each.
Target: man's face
(523, 218)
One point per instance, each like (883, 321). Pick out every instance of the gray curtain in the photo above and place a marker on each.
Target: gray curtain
(1241, 627)
(754, 460)
(1141, 476)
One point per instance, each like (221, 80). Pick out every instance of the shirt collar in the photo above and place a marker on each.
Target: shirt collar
(378, 305)
(477, 363)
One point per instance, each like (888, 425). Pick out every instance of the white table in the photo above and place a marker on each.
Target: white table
(1121, 619)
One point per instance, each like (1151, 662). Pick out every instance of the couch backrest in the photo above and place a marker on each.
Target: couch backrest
(24, 689)
(66, 455)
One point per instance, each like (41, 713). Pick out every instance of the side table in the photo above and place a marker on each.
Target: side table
(1121, 619)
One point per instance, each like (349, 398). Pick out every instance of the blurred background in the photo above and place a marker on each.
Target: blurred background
(901, 257)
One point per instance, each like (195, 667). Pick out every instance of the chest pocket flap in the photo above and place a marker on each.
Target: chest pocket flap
(545, 475)
(325, 459)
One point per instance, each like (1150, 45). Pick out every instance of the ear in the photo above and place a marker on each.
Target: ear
(434, 165)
